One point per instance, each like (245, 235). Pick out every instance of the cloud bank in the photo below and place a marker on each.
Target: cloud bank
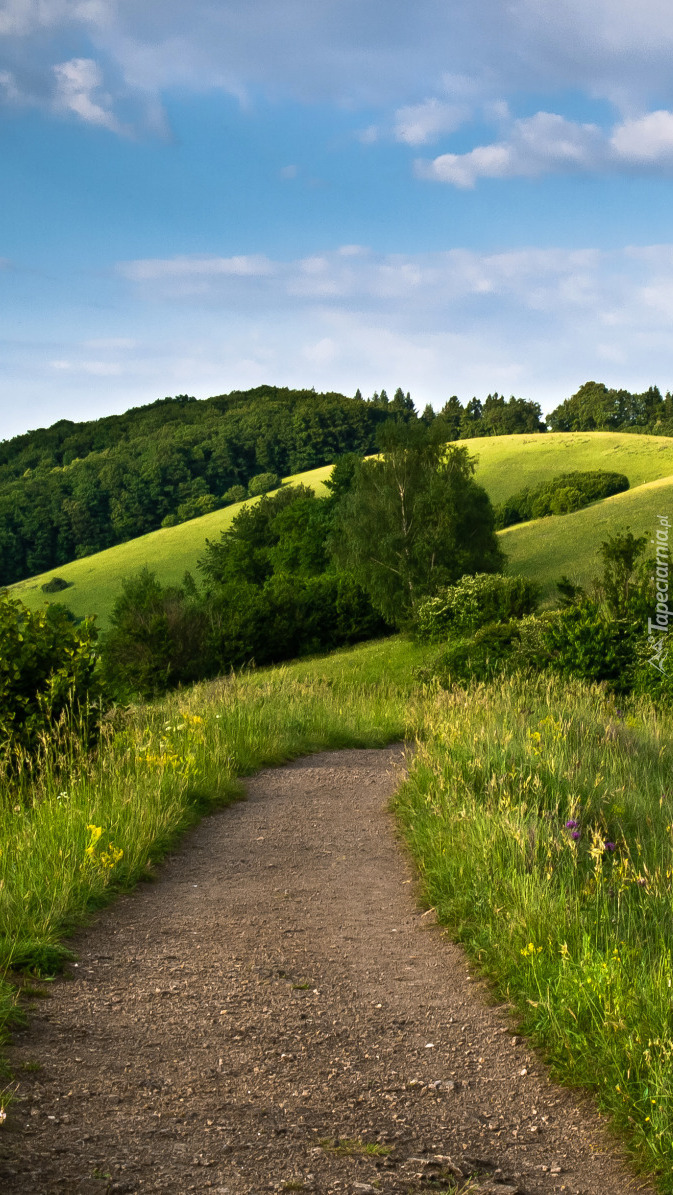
(414, 62)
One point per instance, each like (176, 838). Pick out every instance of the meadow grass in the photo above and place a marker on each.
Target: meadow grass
(505, 464)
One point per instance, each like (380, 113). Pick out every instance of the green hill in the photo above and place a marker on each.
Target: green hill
(170, 552)
(543, 549)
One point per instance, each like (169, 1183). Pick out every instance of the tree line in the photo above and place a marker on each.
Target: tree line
(596, 407)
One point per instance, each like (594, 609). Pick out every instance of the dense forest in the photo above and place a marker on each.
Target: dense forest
(75, 488)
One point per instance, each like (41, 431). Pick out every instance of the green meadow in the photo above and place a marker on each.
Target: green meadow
(537, 811)
(543, 549)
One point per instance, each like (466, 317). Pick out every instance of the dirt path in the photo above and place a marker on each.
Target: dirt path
(278, 992)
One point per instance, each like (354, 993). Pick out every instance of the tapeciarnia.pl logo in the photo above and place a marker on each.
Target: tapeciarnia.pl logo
(657, 630)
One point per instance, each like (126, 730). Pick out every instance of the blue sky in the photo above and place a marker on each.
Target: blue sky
(450, 197)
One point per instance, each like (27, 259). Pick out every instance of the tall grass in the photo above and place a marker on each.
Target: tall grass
(540, 818)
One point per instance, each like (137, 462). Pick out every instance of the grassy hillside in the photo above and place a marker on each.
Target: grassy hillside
(547, 548)
(170, 552)
(509, 463)
(544, 549)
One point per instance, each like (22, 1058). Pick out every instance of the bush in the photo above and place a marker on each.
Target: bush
(565, 500)
(262, 483)
(55, 585)
(47, 664)
(288, 616)
(170, 521)
(235, 493)
(586, 643)
(157, 639)
(474, 602)
(514, 646)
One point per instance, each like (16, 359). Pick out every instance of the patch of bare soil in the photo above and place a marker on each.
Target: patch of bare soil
(275, 1013)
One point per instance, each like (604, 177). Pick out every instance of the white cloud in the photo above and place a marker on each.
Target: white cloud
(420, 123)
(99, 369)
(153, 269)
(647, 140)
(347, 53)
(536, 145)
(535, 322)
(548, 143)
(78, 90)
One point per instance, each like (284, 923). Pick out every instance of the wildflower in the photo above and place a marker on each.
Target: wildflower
(641, 882)
(575, 835)
(95, 832)
(610, 846)
(571, 824)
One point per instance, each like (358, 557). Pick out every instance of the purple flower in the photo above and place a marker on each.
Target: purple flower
(642, 883)
(610, 846)
(571, 824)
(576, 835)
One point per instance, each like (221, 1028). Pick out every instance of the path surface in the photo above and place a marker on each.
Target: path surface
(278, 992)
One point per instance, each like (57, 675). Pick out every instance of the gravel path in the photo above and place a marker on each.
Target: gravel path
(275, 1004)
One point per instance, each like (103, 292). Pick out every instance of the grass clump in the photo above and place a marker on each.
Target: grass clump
(351, 1147)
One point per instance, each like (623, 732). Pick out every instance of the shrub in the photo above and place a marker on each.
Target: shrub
(47, 664)
(475, 602)
(55, 585)
(566, 499)
(170, 521)
(262, 483)
(514, 646)
(235, 493)
(156, 640)
(586, 643)
(193, 508)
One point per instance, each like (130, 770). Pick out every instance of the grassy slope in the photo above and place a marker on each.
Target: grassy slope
(508, 463)
(547, 548)
(543, 549)
(172, 551)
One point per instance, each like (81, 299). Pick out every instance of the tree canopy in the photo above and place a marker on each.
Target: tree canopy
(415, 520)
